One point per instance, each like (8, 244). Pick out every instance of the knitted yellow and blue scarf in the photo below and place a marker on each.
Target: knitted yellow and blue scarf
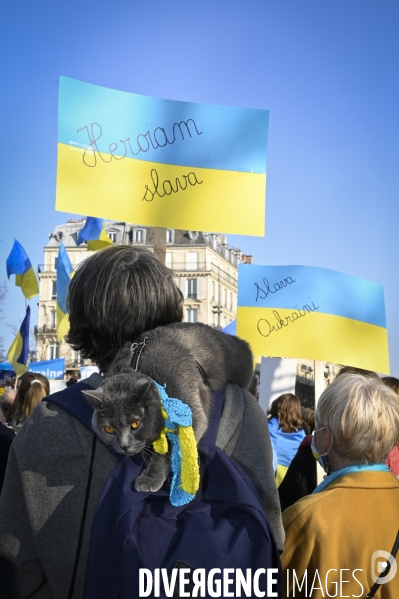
(178, 430)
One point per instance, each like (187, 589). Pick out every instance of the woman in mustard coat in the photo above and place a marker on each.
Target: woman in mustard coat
(339, 539)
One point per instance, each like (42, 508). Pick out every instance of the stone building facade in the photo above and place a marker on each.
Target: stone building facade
(204, 266)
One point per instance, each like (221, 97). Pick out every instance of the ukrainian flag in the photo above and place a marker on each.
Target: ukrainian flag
(313, 313)
(155, 161)
(94, 233)
(19, 350)
(19, 264)
(64, 273)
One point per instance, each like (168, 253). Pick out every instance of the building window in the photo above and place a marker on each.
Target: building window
(53, 319)
(169, 236)
(112, 235)
(192, 315)
(138, 236)
(168, 259)
(225, 298)
(80, 258)
(183, 286)
(54, 351)
(192, 289)
(192, 260)
(55, 262)
(53, 289)
(231, 301)
(215, 319)
(77, 358)
(213, 291)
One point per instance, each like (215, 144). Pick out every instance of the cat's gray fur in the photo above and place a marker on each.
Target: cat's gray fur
(170, 357)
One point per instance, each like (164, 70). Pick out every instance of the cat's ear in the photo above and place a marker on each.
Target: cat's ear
(142, 387)
(95, 397)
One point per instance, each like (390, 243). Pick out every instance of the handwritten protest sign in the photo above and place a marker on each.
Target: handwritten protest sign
(161, 163)
(313, 313)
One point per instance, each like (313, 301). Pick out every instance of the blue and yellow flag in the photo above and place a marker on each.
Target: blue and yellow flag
(95, 234)
(64, 272)
(19, 264)
(313, 313)
(19, 350)
(153, 161)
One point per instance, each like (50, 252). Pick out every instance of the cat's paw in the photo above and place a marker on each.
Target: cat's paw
(147, 484)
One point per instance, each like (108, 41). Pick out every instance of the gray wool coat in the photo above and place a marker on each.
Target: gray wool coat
(42, 499)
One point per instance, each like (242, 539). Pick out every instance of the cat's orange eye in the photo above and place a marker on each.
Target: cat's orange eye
(136, 424)
(109, 429)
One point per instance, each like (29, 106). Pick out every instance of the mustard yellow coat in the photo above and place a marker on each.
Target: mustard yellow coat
(340, 528)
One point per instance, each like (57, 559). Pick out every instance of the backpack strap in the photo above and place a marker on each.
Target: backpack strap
(75, 403)
(209, 437)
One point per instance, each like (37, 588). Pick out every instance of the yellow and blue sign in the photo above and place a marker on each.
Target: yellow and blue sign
(64, 273)
(162, 163)
(94, 233)
(313, 313)
(18, 354)
(18, 264)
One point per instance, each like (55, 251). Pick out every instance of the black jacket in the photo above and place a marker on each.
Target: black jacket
(301, 479)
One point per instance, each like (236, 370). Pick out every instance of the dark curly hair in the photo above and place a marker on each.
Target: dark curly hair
(116, 295)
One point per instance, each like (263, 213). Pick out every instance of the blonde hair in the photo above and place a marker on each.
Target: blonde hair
(29, 395)
(363, 415)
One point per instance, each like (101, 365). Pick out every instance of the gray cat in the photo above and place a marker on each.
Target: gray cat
(193, 360)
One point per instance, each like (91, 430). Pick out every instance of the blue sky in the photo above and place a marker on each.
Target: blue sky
(327, 71)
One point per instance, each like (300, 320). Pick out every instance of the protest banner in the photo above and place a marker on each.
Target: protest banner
(6, 371)
(161, 163)
(52, 369)
(313, 313)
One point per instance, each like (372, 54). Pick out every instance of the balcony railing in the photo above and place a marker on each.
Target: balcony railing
(46, 268)
(45, 329)
(175, 266)
(184, 267)
(202, 267)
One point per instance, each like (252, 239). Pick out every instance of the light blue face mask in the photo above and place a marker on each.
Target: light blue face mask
(319, 456)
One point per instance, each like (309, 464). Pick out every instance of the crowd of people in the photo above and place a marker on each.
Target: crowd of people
(319, 529)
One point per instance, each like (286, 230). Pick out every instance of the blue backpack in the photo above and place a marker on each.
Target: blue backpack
(140, 544)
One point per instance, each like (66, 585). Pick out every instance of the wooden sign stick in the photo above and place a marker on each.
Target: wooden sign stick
(160, 244)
